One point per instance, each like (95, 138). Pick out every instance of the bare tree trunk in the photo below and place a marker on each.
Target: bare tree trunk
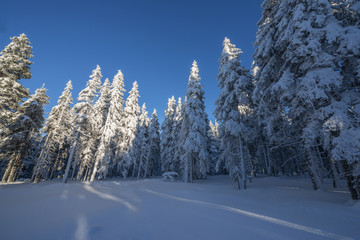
(334, 173)
(69, 162)
(14, 169)
(17, 173)
(8, 170)
(134, 170)
(320, 163)
(80, 172)
(140, 164)
(312, 167)
(74, 170)
(352, 182)
(146, 167)
(55, 165)
(191, 167)
(268, 160)
(186, 170)
(95, 169)
(242, 162)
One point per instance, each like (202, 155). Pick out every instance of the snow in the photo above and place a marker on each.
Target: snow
(271, 208)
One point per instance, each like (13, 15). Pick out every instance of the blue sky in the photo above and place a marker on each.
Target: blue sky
(152, 42)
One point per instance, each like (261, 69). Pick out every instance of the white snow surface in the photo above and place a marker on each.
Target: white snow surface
(271, 208)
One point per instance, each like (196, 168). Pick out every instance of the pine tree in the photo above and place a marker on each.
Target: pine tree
(153, 164)
(193, 135)
(18, 144)
(128, 126)
(105, 155)
(14, 66)
(102, 105)
(167, 138)
(58, 128)
(233, 108)
(176, 159)
(298, 79)
(84, 133)
(140, 152)
(100, 113)
(341, 130)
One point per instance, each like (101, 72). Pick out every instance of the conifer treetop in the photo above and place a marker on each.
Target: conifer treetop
(194, 73)
(14, 59)
(229, 51)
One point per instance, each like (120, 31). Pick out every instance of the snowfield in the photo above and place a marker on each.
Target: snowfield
(271, 208)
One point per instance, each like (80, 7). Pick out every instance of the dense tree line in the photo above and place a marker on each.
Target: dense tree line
(297, 111)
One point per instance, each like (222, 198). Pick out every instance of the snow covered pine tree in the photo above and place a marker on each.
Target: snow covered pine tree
(232, 111)
(193, 136)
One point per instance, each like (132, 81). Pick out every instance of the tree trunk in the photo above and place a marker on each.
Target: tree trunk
(55, 166)
(147, 166)
(238, 181)
(312, 168)
(8, 170)
(191, 167)
(268, 160)
(72, 151)
(242, 162)
(140, 164)
(74, 170)
(352, 182)
(186, 170)
(133, 170)
(95, 169)
(334, 173)
(14, 169)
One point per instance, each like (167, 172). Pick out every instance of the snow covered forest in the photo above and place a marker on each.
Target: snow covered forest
(296, 112)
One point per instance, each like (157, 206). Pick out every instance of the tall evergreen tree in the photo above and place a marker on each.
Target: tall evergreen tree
(99, 114)
(167, 136)
(341, 130)
(14, 65)
(233, 108)
(176, 159)
(140, 152)
(298, 79)
(58, 128)
(105, 155)
(128, 126)
(193, 135)
(153, 164)
(17, 146)
(82, 148)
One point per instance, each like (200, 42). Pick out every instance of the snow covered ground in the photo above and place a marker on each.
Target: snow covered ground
(271, 208)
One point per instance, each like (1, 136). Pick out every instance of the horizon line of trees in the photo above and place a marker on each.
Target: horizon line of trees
(296, 111)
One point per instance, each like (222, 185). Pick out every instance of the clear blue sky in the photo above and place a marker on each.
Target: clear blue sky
(152, 42)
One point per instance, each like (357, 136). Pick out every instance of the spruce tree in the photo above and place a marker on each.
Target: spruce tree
(14, 65)
(105, 156)
(341, 130)
(176, 159)
(83, 135)
(18, 144)
(298, 82)
(128, 127)
(193, 134)
(58, 128)
(153, 164)
(99, 114)
(233, 108)
(140, 152)
(167, 136)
